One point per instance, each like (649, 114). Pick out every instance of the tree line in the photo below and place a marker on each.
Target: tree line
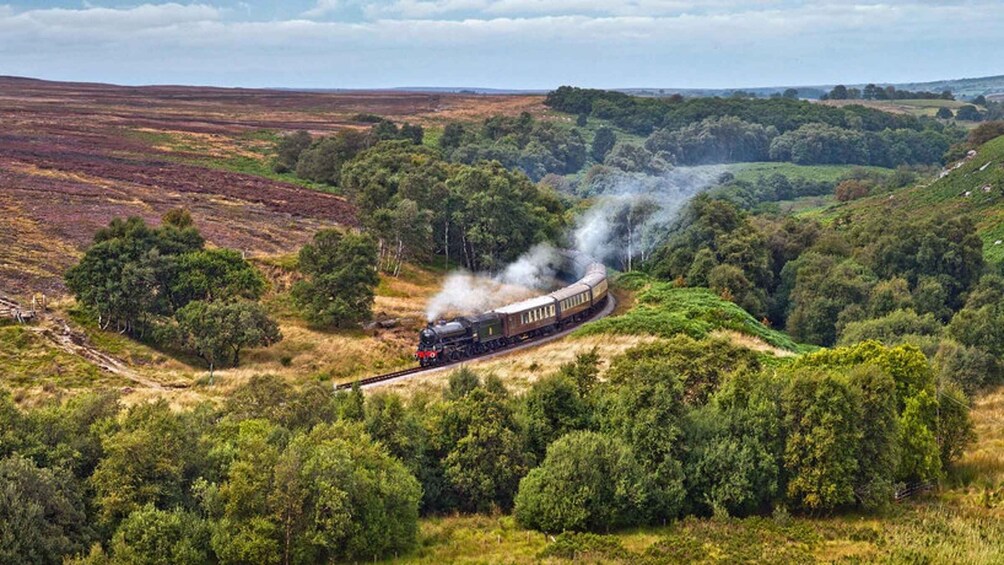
(893, 278)
(276, 474)
(417, 204)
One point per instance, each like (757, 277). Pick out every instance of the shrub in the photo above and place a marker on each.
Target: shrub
(588, 481)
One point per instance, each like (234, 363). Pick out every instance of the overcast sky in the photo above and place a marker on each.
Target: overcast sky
(501, 43)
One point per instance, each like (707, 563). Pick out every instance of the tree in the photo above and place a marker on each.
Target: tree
(326, 495)
(603, 142)
(790, 93)
(724, 139)
(642, 404)
(360, 502)
(588, 482)
(289, 149)
(878, 451)
(218, 331)
(147, 460)
(944, 114)
(42, 513)
(341, 276)
(212, 274)
(552, 408)
(852, 190)
(968, 113)
(323, 160)
(823, 435)
(734, 446)
(838, 92)
(118, 276)
(149, 536)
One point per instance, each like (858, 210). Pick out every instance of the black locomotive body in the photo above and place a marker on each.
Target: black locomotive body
(468, 336)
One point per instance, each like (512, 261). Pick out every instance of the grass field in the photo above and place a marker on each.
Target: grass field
(750, 172)
(31, 365)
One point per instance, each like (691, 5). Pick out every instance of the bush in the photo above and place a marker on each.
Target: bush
(588, 481)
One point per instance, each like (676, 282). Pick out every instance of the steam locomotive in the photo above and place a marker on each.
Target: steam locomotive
(469, 336)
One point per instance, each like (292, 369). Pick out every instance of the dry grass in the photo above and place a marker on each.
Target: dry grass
(751, 342)
(519, 370)
(982, 466)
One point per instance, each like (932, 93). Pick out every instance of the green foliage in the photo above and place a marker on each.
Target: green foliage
(588, 481)
(330, 494)
(552, 408)
(734, 447)
(503, 214)
(603, 141)
(878, 452)
(729, 470)
(157, 537)
(642, 115)
(642, 404)
(323, 160)
(218, 331)
(721, 248)
(664, 310)
(725, 139)
(520, 143)
(891, 328)
(821, 421)
(215, 274)
(148, 458)
(272, 398)
(413, 201)
(42, 513)
(135, 276)
(920, 459)
(289, 149)
(341, 278)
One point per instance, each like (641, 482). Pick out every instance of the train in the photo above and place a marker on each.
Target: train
(469, 336)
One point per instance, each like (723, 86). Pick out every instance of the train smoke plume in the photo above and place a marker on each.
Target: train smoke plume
(631, 215)
(464, 292)
(634, 213)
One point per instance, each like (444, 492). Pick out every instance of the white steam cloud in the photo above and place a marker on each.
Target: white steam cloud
(632, 214)
(464, 292)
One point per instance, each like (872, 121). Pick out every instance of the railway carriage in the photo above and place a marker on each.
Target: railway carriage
(528, 318)
(574, 303)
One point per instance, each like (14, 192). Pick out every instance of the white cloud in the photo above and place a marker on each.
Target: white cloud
(322, 8)
(734, 41)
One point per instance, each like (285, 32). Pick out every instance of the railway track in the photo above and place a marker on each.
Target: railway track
(405, 373)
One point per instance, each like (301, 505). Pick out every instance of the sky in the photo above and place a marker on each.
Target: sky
(517, 44)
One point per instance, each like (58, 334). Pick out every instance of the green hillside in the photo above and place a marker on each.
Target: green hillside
(665, 311)
(975, 188)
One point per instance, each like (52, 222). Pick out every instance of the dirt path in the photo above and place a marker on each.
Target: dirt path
(58, 332)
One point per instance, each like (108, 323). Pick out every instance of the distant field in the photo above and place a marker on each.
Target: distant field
(918, 107)
(820, 173)
(73, 156)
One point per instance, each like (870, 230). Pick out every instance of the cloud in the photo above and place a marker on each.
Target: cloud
(322, 8)
(516, 43)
